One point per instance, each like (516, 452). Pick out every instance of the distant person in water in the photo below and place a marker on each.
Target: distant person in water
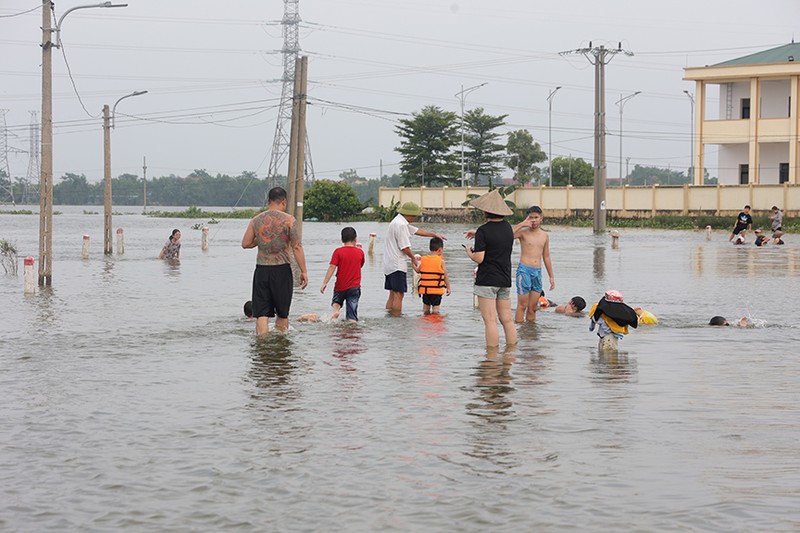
(172, 248)
(761, 239)
(346, 263)
(576, 304)
(722, 321)
(744, 222)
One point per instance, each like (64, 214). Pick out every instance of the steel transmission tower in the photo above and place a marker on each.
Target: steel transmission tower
(6, 187)
(290, 51)
(34, 168)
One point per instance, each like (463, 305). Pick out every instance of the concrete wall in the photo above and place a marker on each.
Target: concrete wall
(775, 98)
(630, 202)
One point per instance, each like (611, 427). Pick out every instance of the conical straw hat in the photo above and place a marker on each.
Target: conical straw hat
(493, 203)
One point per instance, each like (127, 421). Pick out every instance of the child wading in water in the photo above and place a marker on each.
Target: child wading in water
(433, 280)
(346, 261)
(612, 318)
(535, 243)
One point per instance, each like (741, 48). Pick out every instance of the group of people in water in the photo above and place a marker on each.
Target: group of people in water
(274, 233)
(744, 223)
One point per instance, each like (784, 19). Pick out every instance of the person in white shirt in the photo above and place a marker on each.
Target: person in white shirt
(397, 253)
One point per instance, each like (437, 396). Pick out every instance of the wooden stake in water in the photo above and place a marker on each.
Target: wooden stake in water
(708, 233)
(615, 239)
(204, 239)
(371, 245)
(30, 276)
(85, 249)
(120, 242)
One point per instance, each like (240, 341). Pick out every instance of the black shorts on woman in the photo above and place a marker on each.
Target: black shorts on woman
(272, 290)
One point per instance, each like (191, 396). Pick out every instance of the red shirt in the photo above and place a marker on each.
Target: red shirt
(348, 261)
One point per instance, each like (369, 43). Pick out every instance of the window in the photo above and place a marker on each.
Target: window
(745, 108)
(783, 172)
(744, 174)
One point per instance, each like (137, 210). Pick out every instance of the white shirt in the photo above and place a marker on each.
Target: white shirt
(397, 238)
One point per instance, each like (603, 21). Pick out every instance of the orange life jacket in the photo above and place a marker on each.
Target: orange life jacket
(431, 275)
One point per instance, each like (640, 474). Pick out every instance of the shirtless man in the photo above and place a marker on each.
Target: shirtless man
(535, 250)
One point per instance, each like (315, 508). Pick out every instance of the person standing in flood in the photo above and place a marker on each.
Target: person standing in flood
(172, 248)
(274, 232)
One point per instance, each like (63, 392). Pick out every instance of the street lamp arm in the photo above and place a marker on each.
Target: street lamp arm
(70, 10)
(114, 109)
(464, 92)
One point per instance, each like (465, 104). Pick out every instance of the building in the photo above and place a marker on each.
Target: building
(755, 129)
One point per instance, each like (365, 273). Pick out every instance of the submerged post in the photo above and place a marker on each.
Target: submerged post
(371, 245)
(204, 239)
(120, 241)
(708, 233)
(614, 239)
(30, 276)
(85, 248)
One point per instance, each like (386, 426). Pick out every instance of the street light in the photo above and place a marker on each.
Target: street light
(462, 95)
(550, 131)
(108, 124)
(691, 126)
(46, 176)
(621, 104)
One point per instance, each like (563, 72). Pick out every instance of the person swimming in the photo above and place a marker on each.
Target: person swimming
(722, 321)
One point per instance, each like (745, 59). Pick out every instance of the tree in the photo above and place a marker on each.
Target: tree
(523, 153)
(572, 170)
(647, 175)
(483, 155)
(73, 190)
(331, 201)
(426, 147)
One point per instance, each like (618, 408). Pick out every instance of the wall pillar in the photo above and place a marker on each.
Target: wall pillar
(794, 130)
(699, 116)
(755, 117)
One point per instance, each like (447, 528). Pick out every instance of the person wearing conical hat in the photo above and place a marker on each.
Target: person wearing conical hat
(397, 252)
(494, 242)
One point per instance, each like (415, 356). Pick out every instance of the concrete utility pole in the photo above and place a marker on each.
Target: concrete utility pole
(599, 56)
(550, 133)
(462, 95)
(144, 182)
(108, 125)
(621, 104)
(296, 185)
(46, 182)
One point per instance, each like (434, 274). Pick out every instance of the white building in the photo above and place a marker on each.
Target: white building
(755, 129)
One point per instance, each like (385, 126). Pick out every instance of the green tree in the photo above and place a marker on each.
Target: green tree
(426, 147)
(483, 154)
(73, 190)
(648, 175)
(523, 154)
(572, 170)
(330, 201)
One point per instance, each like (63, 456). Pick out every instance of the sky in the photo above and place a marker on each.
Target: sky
(212, 71)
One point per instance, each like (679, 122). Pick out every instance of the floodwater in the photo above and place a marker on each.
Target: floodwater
(134, 396)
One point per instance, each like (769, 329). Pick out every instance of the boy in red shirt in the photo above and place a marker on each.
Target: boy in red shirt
(346, 261)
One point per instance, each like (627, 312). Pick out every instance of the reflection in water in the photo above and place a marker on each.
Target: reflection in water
(599, 263)
(272, 366)
(347, 343)
(108, 269)
(173, 267)
(492, 410)
(613, 367)
(698, 259)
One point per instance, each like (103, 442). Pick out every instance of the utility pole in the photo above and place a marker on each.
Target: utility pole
(462, 95)
(295, 184)
(550, 133)
(621, 104)
(144, 182)
(599, 56)
(691, 126)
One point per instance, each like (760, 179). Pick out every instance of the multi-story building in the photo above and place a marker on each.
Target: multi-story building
(756, 126)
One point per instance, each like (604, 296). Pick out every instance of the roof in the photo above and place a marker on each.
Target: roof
(781, 54)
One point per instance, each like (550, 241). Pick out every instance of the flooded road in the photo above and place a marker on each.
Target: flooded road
(134, 396)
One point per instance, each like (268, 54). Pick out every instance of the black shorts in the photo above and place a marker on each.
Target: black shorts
(397, 281)
(432, 299)
(272, 290)
(737, 229)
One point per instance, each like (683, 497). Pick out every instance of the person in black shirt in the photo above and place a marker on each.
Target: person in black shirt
(494, 242)
(743, 223)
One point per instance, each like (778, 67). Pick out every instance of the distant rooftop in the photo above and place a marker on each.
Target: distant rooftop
(781, 54)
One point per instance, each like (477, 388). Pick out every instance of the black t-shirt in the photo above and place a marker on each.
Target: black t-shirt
(743, 220)
(496, 240)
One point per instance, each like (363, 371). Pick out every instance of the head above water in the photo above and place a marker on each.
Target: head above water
(747, 209)
(436, 244)
(175, 232)
(492, 204)
(613, 296)
(349, 234)
(718, 321)
(534, 209)
(578, 303)
(410, 209)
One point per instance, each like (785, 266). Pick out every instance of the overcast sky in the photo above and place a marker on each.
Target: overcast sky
(212, 71)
